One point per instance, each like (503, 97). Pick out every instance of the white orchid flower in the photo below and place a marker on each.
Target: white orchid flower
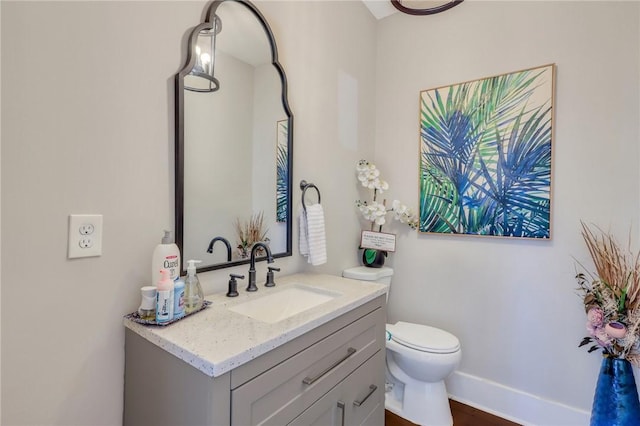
(369, 177)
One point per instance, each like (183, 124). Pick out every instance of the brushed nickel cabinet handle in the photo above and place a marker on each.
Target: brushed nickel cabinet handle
(309, 380)
(372, 389)
(341, 407)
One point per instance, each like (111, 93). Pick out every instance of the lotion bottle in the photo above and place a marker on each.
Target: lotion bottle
(193, 295)
(178, 298)
(164, 298)
(166, 255)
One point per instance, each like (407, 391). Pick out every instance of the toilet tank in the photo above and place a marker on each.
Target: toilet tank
(364, 273)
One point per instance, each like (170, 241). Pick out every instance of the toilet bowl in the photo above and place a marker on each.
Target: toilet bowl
(418, 359)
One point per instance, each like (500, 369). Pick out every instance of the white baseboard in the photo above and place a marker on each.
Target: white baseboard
(512, 404)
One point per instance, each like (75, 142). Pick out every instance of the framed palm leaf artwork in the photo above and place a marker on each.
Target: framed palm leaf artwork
(485, 156)
(282, 174)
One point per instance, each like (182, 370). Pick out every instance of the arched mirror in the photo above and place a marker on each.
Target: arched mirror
(234, 140)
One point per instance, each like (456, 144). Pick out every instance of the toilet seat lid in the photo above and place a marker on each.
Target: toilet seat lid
(423, 338)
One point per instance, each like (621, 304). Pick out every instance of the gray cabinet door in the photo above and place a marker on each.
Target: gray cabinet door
(364, 393)
(327, 411)
(161, 390)
(357, 400)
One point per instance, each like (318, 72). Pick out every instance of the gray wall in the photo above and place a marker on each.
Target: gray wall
(514, 303)
(88, 111)
(87, 114)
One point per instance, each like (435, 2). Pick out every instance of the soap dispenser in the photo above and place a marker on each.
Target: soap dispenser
(193, 296)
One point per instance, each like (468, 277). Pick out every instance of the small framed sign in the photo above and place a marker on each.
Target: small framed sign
(378, 241)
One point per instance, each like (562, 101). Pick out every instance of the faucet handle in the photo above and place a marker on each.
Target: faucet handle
(270, 282)
(233, 284)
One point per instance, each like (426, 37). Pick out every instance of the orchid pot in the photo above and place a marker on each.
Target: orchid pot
(373, 258)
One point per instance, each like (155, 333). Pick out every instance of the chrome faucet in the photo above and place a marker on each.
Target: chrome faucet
(252, 267)
(226, 243)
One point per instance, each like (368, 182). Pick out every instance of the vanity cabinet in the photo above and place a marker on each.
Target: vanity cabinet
(331, 375)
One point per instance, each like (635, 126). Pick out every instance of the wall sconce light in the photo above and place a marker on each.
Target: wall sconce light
(201, 78)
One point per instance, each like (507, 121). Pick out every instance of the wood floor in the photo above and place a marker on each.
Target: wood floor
(463, 415)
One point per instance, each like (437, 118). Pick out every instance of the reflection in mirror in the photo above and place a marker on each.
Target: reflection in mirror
(233, 140)
(202, 77)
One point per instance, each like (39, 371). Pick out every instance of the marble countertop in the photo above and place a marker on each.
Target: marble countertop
(216, 340)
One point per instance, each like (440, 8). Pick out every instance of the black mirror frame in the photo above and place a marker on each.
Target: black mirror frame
(179, 133)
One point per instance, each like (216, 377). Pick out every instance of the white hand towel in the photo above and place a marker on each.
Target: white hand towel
(312, 235)
(303, 240)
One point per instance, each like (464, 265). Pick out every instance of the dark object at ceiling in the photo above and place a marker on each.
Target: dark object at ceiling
(426, 11)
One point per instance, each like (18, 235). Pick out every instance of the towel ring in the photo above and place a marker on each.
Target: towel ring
(304, 185)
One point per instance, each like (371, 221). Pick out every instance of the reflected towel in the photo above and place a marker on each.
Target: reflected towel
(312, 235)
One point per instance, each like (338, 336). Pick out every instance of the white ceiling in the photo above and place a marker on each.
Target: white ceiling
(380, 8)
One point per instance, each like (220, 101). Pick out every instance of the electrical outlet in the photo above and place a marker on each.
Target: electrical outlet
(87, 228)
(86, 242)
(85, 235)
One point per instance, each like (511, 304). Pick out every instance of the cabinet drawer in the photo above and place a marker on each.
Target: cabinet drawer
(356, 401)
(281, 393)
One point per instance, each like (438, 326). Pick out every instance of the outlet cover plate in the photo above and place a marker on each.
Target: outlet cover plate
(85, 235)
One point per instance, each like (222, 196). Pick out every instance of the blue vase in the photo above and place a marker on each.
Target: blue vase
(615, 402)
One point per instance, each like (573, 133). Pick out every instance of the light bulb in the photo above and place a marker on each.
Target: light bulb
(206, 62)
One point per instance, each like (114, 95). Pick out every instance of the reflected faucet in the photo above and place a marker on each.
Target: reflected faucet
(226, 243)
(252, 268)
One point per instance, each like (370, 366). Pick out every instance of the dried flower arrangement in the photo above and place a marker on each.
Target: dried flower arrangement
(611, 297)
(250, 232)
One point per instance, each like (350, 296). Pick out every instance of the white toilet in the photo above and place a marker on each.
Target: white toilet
(419, 358)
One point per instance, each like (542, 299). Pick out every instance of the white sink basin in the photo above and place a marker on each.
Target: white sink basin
(283, 304)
